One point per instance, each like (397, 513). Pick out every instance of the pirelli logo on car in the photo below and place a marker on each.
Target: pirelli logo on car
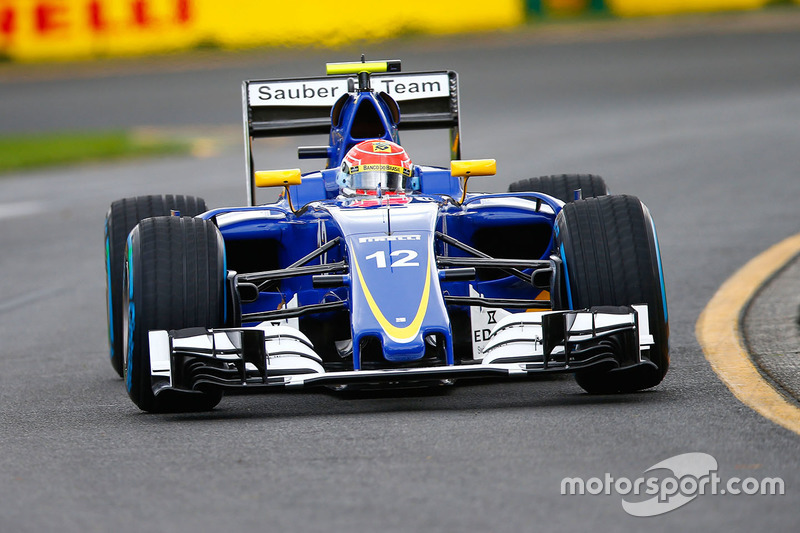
(325, 91)
(392, 238)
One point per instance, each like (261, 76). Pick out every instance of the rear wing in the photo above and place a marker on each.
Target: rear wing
(302, 106)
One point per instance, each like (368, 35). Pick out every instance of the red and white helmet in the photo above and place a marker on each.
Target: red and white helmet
(376, 163)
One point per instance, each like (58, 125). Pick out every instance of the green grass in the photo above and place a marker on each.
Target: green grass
(19, 152)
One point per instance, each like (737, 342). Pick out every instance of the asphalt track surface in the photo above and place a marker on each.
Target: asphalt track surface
(701, 124)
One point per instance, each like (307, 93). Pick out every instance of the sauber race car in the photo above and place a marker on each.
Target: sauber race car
(377, 271)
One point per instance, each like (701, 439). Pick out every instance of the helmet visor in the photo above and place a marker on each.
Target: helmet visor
(371, 179)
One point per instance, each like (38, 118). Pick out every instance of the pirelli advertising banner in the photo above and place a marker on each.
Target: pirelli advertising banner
(74, 29)
(32, 30)
(43, 30)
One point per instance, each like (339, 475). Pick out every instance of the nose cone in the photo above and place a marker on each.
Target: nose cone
(395, 292)
(395, 285)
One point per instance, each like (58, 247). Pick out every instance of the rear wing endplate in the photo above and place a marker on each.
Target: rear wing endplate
(302, 106)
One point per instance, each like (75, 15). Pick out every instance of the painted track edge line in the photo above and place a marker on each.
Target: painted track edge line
(719, 333)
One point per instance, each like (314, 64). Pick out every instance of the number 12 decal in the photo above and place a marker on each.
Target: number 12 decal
(407, 259)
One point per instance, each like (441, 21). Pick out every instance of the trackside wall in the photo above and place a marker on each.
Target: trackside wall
(74, 29)
(35, 30)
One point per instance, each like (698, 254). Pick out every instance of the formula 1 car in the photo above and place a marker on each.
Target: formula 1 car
(375, 272)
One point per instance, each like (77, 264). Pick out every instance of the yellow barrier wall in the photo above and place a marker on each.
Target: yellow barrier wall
(32, 30)
(71, 29)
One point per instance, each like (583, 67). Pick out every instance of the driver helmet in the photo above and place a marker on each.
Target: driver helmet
(374, 164)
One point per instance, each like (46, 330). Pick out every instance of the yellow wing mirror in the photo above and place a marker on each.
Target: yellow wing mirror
(466, 168)
(279, 178)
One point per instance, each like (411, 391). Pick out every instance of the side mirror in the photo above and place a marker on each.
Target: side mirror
(473, 167)
(279, 178)
(467, 168)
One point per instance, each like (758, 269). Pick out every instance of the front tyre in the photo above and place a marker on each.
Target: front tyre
(563, 186)
(610, 257)
(122, 217)
(175, 280)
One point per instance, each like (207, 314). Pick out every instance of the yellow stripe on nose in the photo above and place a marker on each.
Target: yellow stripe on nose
(409, 332)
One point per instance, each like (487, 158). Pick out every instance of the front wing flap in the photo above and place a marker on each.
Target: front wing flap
(520, 345)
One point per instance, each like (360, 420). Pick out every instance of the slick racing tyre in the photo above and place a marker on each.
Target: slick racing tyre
(610, 257)
(120, 220)
(175, 280)
(563, 186)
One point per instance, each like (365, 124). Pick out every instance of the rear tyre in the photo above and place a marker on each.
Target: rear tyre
(120, 220)
(563, 186)
(175, 280)
(610, 254)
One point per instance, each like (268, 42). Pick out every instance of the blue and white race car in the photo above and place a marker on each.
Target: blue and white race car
(376, 271)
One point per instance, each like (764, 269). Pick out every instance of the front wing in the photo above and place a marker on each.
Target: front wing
(520, 345)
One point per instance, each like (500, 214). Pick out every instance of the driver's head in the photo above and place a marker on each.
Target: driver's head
(371, 164)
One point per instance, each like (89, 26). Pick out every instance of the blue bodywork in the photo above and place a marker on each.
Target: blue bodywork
(393, 276)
